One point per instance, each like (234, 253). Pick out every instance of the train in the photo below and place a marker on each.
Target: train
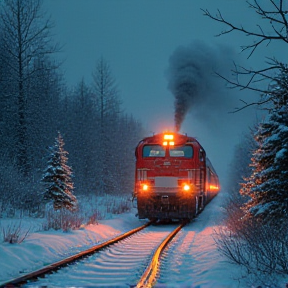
(174, 179)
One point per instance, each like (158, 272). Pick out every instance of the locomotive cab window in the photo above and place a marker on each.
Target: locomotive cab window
(153, 151)
(181, 151)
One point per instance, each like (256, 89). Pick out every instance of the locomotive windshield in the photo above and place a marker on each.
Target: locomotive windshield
(153, 151)
(182, 151)
(185, 151)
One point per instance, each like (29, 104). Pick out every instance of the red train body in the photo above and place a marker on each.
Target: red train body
(173, 179)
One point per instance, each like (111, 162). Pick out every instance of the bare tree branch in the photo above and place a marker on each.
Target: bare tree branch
(262, 36)
(247, 79)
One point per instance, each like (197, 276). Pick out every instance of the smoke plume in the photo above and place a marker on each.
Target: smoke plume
(193, 82)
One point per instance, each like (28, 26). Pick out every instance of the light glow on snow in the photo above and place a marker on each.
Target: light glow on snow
(191, 260)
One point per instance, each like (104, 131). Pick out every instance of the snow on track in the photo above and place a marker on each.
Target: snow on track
(121, 264)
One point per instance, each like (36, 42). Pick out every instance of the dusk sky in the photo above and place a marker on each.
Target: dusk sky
(137, 38)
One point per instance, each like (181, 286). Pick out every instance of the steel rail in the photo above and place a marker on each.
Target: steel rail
(149, 275)
(57, 265)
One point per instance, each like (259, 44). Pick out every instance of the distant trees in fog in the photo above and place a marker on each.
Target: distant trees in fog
(100, 138)
(36, 103)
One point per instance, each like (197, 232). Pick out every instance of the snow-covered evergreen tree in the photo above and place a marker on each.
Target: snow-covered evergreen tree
(268, 184)
(58, 178)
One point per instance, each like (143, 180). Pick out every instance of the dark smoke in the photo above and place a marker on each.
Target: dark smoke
(193, 82)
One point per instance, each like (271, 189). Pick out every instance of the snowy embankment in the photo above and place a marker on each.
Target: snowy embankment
(43, 248)
(194, 262)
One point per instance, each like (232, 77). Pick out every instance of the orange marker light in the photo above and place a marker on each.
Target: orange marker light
(214, 188)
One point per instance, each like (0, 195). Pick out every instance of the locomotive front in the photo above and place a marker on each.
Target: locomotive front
(170, 178)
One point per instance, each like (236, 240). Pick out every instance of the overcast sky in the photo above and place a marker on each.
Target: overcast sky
(138, 38)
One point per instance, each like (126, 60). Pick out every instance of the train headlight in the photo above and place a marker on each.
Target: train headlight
(145, 187)
(186, 187)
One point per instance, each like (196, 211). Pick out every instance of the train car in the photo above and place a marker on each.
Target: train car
(173, 179)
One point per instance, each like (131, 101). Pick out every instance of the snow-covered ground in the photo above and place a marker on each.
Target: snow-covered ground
(193, 261)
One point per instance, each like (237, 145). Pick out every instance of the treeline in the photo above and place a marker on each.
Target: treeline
(36, 104)
(255, 233)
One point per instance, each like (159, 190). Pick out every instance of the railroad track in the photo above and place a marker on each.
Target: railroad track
(147, 278)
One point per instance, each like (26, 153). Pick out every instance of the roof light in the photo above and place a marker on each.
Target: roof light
(168, 137)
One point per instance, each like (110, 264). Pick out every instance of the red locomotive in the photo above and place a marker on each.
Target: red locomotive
(174, 179)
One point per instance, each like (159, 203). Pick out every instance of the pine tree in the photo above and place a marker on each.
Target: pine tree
(268, 184)
(58, 178)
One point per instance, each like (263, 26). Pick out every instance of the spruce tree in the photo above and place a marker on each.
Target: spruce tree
(58, 178)
(268, 184)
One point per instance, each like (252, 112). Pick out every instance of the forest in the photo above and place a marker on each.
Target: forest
(37, 104)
